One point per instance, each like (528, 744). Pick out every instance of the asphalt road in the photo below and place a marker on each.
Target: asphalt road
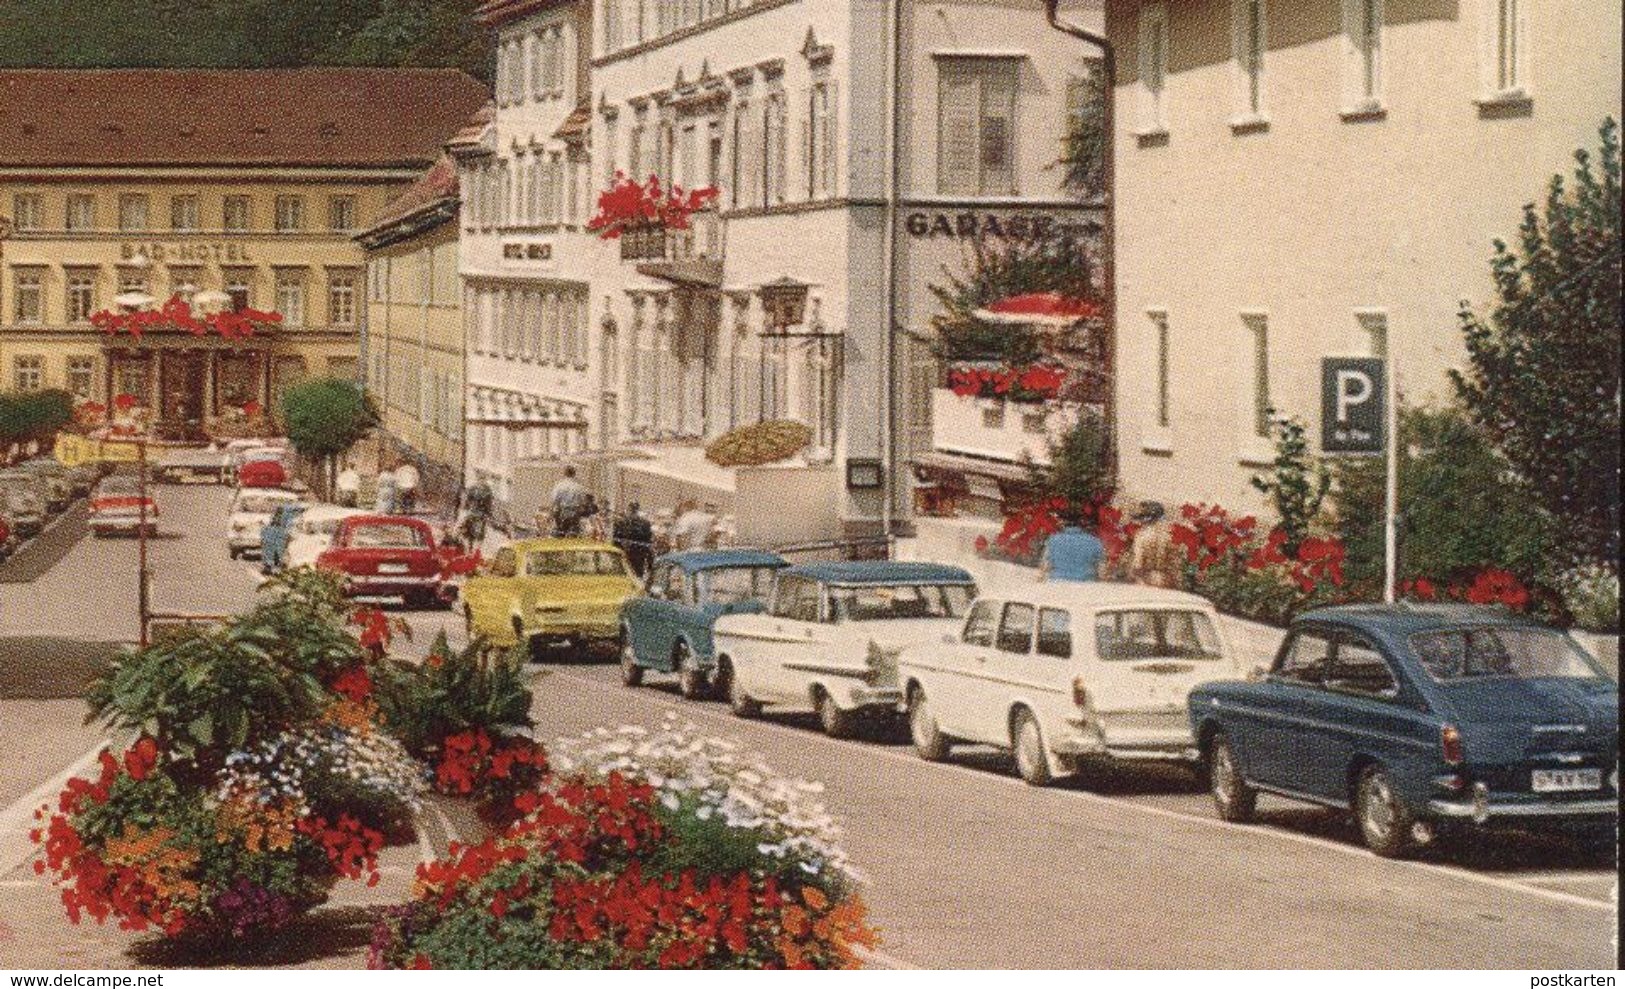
(968, 866)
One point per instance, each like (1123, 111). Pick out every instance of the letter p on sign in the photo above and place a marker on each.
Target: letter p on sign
(1353, 399)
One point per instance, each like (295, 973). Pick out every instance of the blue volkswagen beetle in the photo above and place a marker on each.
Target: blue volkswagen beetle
(1417, 718)
(275, 534)
(668, 627)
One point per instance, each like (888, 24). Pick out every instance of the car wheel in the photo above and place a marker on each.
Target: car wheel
(1032, 759)
(631, 672)
(1233, 798)
(739, 702)
(691, 681)
(929, 741)
(1385, 823)
(835, 722)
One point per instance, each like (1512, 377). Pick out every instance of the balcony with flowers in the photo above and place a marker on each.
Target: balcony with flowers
(667, 231)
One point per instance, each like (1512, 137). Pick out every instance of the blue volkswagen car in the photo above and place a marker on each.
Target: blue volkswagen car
(275, 534)
(668, 627)
(1418, 719)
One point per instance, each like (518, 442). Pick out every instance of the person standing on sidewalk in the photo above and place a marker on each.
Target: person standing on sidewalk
(1155, 560)
(348, 487)
(384, 500)
(568, 502)
(1072, 554)
(477, 500)
(406, 485)
(635, 536)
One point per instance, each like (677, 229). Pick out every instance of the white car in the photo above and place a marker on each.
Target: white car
(313, 533)
(830, 637)
(1064, 672)
(250, 512)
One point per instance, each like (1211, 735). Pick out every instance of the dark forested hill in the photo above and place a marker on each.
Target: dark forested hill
(240, 33)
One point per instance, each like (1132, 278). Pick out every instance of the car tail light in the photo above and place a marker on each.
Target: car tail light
(1080, 693)
(1450, 745)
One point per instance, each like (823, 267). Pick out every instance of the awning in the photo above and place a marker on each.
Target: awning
(963, 464)
(1050, 309)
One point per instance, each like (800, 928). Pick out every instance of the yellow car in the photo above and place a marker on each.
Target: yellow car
(550, 593)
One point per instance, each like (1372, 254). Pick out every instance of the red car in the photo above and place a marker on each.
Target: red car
(262, 474)
(386, 556)
(115, 507)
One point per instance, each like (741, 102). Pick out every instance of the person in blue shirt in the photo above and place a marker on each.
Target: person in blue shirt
(1072, 554)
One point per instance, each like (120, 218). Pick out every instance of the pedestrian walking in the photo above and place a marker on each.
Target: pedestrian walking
(384, 498)
(634, 535)
(347, 489)
(1154, 559)
(694, 527)
(477, 502)
(406, 485)
(1072, 554)
(568, 502)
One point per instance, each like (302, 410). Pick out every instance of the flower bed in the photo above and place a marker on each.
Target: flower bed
(645, 849)
(1031, 383)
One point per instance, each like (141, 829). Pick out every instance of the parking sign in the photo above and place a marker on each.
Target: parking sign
(1353, 398)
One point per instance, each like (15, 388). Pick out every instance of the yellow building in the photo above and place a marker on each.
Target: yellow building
(244, 186)
(412, 341)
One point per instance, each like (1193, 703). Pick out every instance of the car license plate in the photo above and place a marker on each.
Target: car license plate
(1560, 780)
(393, 568)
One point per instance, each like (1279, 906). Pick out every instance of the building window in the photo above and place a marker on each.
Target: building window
(1505, 63)
(81, 214)
(183, 280)
(236, 214)
(290, 296)
(240, 286)
(1159, 326)
(1153, 68)
(1247, 31)
(745, 170)
(774, 148)
(341, 213)
(821, 141)
(1362, 50)
(28, 372)
(81, 294)
(81, 376)
(612, 25)
(133, 213)
(1258, 325)
(341, 297)
(28, 211)
(183, 213)
(290, 214)
(28, 288)
(132, 280)
(976, 118)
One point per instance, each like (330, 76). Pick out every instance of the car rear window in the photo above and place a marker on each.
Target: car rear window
(1522, 653)
(258, 504)
(387, 537)
(880, 603)
(574, 563)
(730, 585)
(1155, 634)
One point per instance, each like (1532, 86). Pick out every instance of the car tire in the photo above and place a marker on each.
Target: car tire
(691, 680)
(1233, 798)
(835, 722)
(929, 741)
(741, 703)
(631, 672)
(1385, 822)
(1032, 755)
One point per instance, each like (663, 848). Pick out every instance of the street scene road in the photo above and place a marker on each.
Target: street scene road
(968, 866)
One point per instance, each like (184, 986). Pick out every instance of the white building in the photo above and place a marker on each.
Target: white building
(1308, 178)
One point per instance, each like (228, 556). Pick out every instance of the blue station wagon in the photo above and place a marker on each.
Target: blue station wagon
(668, 627)
(1417, 718)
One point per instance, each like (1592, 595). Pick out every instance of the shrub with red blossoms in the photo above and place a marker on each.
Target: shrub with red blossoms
(493, 771)
(176, 314)
(628, 204)
(1032, 383)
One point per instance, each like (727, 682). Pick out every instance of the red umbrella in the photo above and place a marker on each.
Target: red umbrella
(1039, 308)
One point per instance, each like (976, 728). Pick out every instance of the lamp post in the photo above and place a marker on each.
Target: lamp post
(143, 580)
(784, 304)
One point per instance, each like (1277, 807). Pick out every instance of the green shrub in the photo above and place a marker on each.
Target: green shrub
(453, 692)
(1297, 481)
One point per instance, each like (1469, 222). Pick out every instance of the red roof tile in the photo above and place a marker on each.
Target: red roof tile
(436, 185)
(156, 117)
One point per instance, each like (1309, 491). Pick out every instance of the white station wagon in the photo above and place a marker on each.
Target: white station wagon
(1063, 672)
(831, 634)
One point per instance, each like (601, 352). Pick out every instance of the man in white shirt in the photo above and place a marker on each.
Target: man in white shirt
(349, 485)
(406, 485)
(568, 502)
(693, 528)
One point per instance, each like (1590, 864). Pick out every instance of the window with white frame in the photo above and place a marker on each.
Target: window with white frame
(81, 376)
(81, 212)
(134, 212)
(1362, 56)
(341, 296)
(611, 150)
(236, 213)
(184, 280)
(634, 150)
(28, 372)
(341, 213)
(821, 140)
(1153, 68)
(1247, 23)
(774, 148)
(612, 25)
(133, 280)
(183, 213)
(1257, 325)
(28, 211)
(28, 295)
(81, 300)
(239, 284)
(290, 296)
(745, 170)
(290, 214)
(976, 125)
(1505, 58)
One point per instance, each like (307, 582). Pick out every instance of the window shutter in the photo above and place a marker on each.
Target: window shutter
(956, 137)
(781, 150)
(831, 133)
(806, 143)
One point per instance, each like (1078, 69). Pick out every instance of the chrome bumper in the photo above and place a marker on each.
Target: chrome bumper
(1480, 811)
(875, 696)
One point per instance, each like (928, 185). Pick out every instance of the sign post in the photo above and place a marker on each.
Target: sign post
(1357, 418)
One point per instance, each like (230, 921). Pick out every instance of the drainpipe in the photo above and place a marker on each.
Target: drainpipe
(888, 354)
(1108, 266)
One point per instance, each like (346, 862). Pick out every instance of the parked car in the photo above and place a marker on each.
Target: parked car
(313, 533)
(1418, 718)
(830, 639)
(196, 465)
(276, 533)
(238, 458)
(668, 627)
(549, 593)
(116, 507)
(25, 501)
(385, 556)
(1065, 672)
(84, 476)
(8, 539)
(250, 510)
(267, 473)
(58, 484)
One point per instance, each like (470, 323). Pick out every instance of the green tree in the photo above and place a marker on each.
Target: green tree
(1084, 149)
(996, 269)
(1078, 469)
(1297, 481)
(326, 417)
(1543, 374)
(35, 416)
